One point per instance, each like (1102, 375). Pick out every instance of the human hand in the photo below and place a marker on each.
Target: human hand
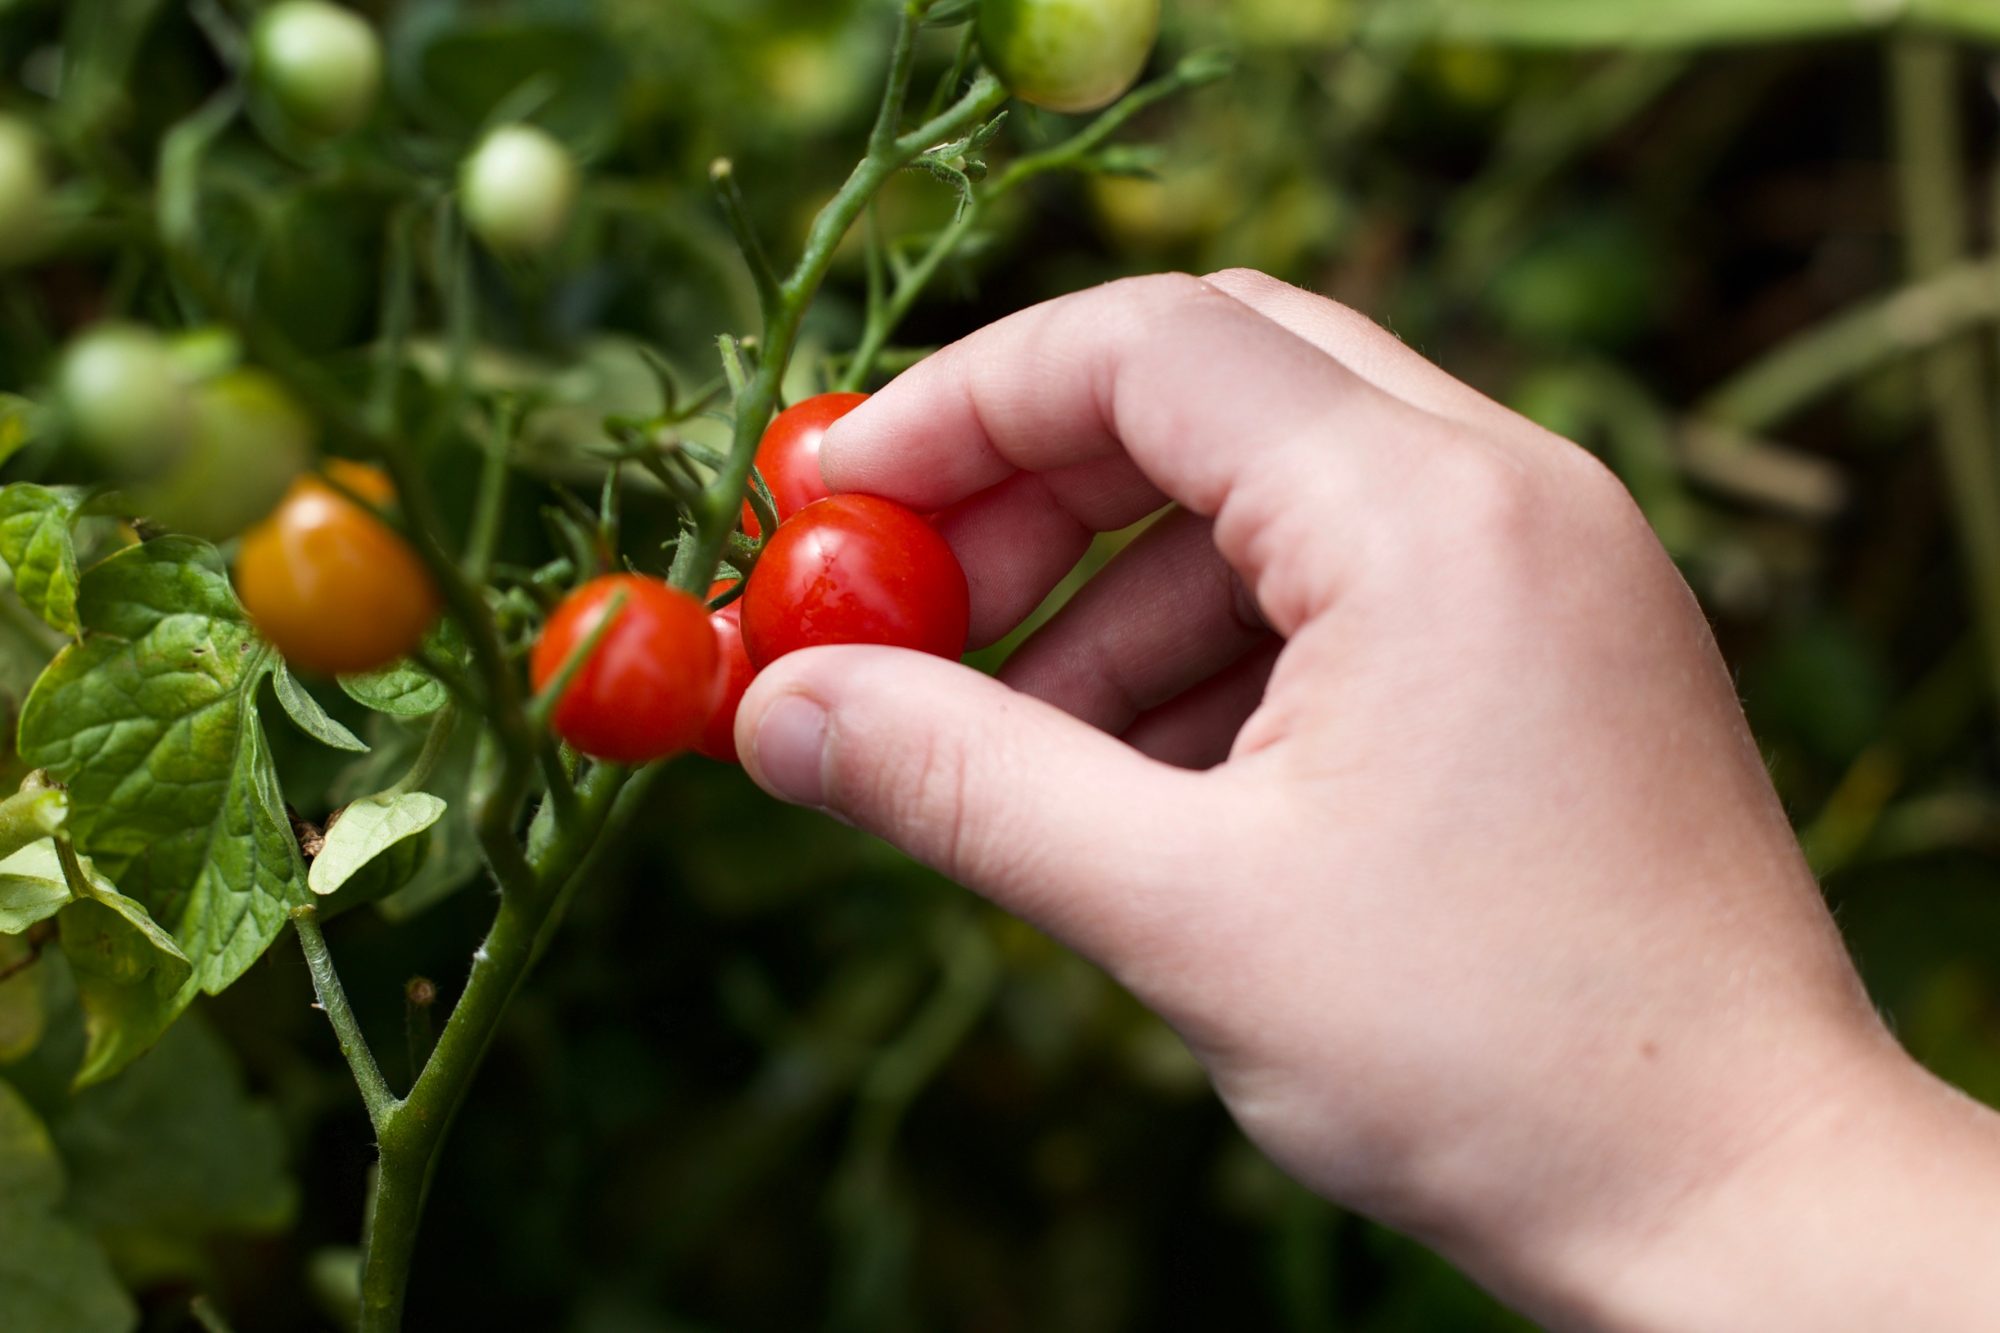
(1397, 769)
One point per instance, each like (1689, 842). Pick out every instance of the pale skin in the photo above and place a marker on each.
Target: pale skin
(1397, 769)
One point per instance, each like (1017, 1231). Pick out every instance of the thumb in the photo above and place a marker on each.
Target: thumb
(1050, 818)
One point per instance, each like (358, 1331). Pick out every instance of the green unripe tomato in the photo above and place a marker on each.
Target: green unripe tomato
(24, 191)
(519, 186)
(1068, 55)
(127, 400)
(250, 441)
(320, 63)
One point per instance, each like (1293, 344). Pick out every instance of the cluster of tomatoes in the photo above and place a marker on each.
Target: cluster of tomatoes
(667, 674)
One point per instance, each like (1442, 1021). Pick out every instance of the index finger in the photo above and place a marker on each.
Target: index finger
(1169, 369)
(1212, 403)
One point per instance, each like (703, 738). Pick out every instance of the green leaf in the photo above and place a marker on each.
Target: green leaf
(131, 978)
(368, 828)
(177, 1144)
(406, 689)
(401, 689)
(451, 855)
(30, 815)
(1666, 23)
(152, 722)
(312, 719)
(32, 887)
(18, 425)
(35, 541)
(53, 1275)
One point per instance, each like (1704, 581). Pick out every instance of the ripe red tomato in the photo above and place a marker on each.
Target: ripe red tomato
(788, 455)
(330, 585)
(648, 688)
(855, 569)
(718, 739)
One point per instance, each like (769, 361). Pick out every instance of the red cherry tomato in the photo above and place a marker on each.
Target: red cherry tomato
(855, 569)
(788, 455)
(718, 739)
(647, 689)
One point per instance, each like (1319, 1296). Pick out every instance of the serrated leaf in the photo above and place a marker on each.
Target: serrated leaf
(368, 828)
(131, 978)
(18, 418)
(152, 721)
(52, 1274)
(405, 689)
(35, 542)
(177, 1144)
(302, 708)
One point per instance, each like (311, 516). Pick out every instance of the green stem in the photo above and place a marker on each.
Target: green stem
(722, 175)
(490, 507)
(375, 1094)
(759, 395)
(884, 318)
(443, 723)
(886, 313)
(1924, 85)
(414, 1129)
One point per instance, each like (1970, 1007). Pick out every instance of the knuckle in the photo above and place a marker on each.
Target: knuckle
(934, 802)
(1143, 300)
(1483, 493)
(1241, 276)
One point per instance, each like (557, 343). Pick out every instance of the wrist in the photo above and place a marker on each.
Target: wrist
(1872, 1202)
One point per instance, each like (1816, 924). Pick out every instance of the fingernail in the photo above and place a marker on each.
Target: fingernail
(789, 749)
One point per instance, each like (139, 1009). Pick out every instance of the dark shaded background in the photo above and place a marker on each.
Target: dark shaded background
(773, 1076)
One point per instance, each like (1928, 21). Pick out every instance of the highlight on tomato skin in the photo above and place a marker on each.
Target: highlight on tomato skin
(650, 684)
(734, 672)
(330, 586)
(856, 569)
(788, 455)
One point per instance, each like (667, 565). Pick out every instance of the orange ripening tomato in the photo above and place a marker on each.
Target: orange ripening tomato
(333, 588)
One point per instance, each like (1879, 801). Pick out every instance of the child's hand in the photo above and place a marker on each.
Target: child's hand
(1398, 770)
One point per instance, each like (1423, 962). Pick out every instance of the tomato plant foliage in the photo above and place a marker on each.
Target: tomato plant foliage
(348, 355)
(153, 723)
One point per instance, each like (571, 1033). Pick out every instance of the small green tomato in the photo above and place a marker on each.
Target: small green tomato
(24, 191)
(1068, 55)
(250, 441)
(519, 186)
(320, 63)
(127, 400)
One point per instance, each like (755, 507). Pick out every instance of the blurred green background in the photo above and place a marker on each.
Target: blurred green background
(773, 1077)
